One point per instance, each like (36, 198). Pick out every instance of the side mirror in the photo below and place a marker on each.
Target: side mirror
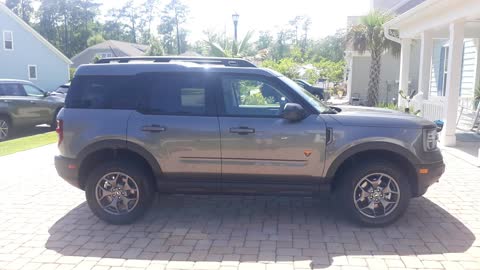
(294, 112)
(337, 109)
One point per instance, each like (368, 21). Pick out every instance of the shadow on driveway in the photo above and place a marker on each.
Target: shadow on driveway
(303, 231)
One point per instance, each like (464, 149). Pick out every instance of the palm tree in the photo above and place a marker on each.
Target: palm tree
(229, 48)
(369, 35)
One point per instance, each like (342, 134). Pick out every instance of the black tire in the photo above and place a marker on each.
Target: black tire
(6, 127)
(141, 178)
(53, 124)
(354, 175)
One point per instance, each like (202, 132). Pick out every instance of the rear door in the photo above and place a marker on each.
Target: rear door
(177, 122)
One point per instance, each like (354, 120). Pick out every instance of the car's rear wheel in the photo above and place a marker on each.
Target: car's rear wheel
(5, 129)
(119, 192)
(374, 193)
(53, 123)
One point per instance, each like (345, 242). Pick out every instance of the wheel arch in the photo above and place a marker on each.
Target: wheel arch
(8, 116)
(386, 151)
(97, 152)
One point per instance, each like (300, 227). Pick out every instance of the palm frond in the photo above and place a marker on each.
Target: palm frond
(216, 50)
(357, 37)
(245, 41)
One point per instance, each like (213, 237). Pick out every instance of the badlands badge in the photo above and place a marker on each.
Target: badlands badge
(307, 153)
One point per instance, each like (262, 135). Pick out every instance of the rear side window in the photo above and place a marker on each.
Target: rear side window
(104, 92)
(179, 94)
(12, 89)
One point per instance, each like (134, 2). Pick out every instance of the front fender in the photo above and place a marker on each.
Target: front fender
(348, 151)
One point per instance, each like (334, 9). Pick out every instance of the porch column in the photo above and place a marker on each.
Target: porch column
(404, 69)
(454, 75)
(425, 71)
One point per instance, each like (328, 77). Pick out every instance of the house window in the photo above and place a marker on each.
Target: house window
(8, 40)
(32, 72)
(443, 72)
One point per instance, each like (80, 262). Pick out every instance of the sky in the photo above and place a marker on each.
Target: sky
(258, 15)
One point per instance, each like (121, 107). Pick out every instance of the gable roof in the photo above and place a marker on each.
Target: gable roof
(129, 49)
(27, 27)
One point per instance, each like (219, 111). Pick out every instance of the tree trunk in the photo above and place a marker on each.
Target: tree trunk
(374, 79)
(177, 36)
(65, 44)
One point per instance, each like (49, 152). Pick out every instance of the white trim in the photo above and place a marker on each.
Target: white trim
(398, 5)
(434, 14)
(34, 33)
(4, 40)
(36, 72)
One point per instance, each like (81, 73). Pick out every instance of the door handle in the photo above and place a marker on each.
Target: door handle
(242, 130)
(33, 102)
(154, 128)
(7, 101)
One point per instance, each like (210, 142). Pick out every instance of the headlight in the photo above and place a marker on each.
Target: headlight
(430, 138)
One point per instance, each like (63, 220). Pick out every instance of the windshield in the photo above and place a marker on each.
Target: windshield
(311, 99)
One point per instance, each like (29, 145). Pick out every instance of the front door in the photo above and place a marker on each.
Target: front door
(179, 126)
(258, 145)
(43, 109)
(23, 110)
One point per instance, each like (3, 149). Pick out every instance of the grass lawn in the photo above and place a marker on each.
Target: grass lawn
(26, 143)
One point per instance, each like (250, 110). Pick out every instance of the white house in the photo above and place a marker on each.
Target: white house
(448, 33)
(26, 55)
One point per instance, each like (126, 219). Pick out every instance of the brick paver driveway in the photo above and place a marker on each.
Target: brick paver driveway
(45, 224)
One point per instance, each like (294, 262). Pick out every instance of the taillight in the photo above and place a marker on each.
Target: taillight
(59, 131)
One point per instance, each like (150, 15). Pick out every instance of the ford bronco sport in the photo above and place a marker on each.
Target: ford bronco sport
(132, 127)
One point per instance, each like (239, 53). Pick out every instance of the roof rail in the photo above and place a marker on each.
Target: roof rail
(228, 62)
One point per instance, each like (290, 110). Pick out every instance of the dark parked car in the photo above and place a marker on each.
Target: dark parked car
(316, 91)
(22, 104)
(131, 130)
(62, 89)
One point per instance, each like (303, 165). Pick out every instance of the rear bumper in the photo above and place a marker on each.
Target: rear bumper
(425, 180)
(67, 168)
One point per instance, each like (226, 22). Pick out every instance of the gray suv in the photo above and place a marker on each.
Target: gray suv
(134, 127)
(22, 104)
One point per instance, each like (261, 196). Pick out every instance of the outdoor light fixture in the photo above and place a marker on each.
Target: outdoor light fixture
(235, 17)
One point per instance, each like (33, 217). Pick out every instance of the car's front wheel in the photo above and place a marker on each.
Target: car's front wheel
(119, 192)
(374, 193)
(5, 129)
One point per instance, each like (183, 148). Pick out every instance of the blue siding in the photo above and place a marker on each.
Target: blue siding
(52, 70)
(469, 68)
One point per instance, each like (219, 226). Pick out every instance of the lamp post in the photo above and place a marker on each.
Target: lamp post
(235, 23)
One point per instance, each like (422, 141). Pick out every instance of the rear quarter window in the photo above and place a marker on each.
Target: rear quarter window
(104, 92)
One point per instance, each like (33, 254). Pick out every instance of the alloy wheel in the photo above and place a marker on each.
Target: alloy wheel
(117, 193)
(3, 129)
(376, 195)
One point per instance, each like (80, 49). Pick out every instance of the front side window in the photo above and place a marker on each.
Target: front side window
(179, 95)
(252, 97)
(32, 91)
(32, 72)
(12, 89)
(8, 40)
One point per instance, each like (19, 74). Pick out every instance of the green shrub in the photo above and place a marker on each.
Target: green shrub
(72, 72)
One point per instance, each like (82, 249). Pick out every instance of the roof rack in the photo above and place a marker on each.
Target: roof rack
(228, 62)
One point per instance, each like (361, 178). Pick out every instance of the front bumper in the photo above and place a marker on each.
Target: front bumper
(67, 168)
(428, 174)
